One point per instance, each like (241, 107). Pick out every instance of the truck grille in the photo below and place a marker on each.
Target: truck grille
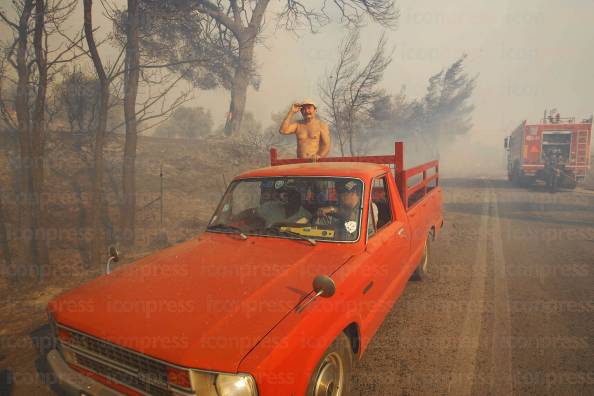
(122, 365)
(121, 376)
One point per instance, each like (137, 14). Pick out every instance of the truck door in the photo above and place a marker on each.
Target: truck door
(388, 249)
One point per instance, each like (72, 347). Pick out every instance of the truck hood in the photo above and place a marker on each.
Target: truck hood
(202, 304)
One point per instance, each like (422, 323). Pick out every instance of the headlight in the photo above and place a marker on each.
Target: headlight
(235, 385)
(206, 383)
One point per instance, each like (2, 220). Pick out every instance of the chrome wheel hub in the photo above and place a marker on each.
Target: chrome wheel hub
(426, 259)
(330, 379)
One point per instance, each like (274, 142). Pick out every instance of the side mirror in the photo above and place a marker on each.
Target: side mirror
(114, 256)
(324, 286)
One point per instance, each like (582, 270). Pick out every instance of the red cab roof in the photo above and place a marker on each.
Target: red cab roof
(349, 169)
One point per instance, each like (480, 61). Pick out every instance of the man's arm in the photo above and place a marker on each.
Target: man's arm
(324, 141)
(287, 127)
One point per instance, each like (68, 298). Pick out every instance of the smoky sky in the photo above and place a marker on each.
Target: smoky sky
(529, 55)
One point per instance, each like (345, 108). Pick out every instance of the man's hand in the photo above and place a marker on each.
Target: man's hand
(287, 127)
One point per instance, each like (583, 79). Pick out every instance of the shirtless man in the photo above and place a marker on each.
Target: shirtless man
(313, 136)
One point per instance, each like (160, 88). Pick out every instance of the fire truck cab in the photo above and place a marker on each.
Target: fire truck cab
(529, 146)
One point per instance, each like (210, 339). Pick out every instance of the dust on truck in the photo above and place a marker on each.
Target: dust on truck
(261, 303)
(529, 145)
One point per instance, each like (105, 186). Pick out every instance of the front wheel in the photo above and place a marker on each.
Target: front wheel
(553, 183)
(332, 374)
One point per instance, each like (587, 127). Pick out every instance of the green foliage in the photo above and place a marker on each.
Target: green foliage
(189, 43)
(442, 114)
(188, 123)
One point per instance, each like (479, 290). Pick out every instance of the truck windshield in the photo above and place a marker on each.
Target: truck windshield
(319, 208)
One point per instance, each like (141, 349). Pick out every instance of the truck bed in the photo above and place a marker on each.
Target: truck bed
(413, 184)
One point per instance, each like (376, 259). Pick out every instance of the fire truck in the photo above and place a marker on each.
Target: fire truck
(530, 146)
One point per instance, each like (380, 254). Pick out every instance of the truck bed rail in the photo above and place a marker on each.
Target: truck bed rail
(410, 195)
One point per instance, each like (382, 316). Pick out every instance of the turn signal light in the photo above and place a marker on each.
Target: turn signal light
(179, 377)
(64, 335)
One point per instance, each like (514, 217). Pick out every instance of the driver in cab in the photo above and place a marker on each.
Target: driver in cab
(346, 214)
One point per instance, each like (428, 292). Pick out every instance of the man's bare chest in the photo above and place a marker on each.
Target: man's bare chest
(307, 132)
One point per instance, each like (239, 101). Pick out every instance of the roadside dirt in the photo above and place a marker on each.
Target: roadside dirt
(508, 307)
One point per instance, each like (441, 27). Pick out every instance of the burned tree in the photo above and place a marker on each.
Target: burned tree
(28, 52)
(99, 133)
(131, 77)
(350, 90)
(239, 25)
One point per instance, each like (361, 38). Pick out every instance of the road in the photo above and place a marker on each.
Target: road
(508, 307)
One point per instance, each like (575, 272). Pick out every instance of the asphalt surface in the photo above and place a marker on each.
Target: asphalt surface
(508, 307)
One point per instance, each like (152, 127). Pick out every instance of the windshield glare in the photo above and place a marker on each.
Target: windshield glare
(320, 208)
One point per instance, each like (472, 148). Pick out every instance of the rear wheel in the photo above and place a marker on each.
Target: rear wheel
(568, 180)
(332, 374)
(515, 174)
(423, 267)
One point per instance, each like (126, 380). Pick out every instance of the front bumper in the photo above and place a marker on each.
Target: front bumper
(74, 383)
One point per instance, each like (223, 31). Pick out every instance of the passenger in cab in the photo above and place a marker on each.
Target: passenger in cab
(286, 208)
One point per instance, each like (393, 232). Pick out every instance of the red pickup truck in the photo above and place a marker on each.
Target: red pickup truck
(296, 271)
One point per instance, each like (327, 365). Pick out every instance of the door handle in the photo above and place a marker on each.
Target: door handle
(402, 233)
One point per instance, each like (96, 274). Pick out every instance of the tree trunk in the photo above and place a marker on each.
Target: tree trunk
(38, 142)
(130, 92)
(97, 241)
(7, 267)
(246, 38)
(24, 133)
(239, 87)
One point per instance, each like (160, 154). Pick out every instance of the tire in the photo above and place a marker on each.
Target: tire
(527, 181)
(568, 180)
(515, 176)
(423, 267)
(332, 374)
(553, 183)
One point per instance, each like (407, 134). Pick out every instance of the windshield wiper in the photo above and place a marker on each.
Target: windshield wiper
(227, 228)
(290, 233)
